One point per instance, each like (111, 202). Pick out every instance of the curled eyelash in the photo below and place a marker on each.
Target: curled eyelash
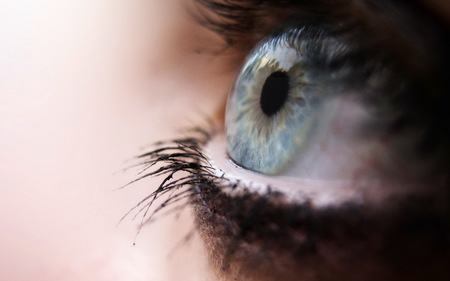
(181, 164)
(183, 169)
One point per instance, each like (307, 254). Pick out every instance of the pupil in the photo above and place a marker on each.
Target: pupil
(274, 93)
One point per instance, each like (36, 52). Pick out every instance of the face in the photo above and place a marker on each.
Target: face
(302, 140)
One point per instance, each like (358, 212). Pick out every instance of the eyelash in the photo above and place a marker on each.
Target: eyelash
(168, 160)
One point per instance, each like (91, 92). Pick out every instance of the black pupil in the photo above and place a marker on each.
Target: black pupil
(274, 93)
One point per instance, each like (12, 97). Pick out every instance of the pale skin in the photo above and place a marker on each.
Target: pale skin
(83, 86)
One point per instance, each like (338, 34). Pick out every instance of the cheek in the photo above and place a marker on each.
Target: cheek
(77, 99)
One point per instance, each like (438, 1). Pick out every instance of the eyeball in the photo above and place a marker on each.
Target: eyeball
(277, 102)
(307, 104)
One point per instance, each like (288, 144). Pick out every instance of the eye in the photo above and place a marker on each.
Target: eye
(273, 106)
(338, 127)
(313, 103)
(330, 159)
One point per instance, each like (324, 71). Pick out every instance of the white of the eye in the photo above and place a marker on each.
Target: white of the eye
(294, 188)
(320, 193)
(337, 151)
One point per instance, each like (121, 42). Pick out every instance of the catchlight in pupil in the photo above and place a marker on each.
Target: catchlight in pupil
(274, 93)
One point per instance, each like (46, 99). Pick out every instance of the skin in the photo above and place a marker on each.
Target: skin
(82, 87)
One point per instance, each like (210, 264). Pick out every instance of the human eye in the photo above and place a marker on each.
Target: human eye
(332, 163)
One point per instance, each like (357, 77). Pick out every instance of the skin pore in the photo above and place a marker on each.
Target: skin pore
(82, 87)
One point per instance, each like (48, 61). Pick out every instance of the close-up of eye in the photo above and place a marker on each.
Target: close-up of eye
(219, 140)
(331, 161)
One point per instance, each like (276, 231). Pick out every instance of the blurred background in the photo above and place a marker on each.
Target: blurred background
(83, 86)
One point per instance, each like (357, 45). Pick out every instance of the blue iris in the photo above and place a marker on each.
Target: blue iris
(273, 109)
